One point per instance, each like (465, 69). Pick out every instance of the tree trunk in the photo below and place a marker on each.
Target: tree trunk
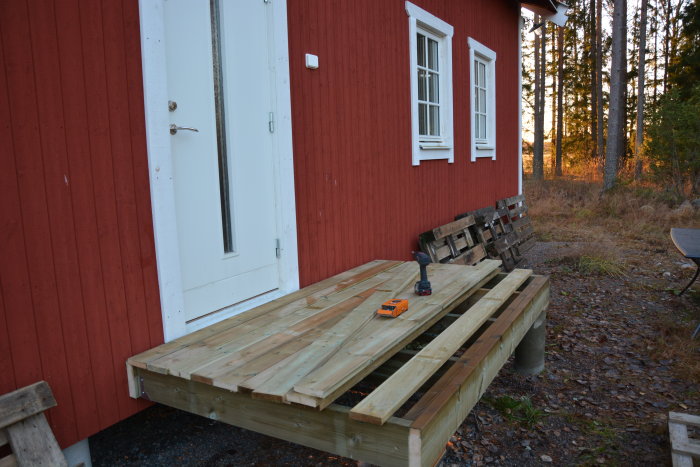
(656, 55)
(538, 146)
(594, 80)
(600, 142)
(560, 100)
(667, 40)
(639, 138)
(616, 110)
(552, 138)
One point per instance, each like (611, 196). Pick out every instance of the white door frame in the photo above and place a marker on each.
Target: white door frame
(160, 167)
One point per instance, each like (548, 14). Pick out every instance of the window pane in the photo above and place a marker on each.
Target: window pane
(434, 120)
(482, 99)
(434, 87)
(224, 183)
(433, 55)
(477, 126)
(423, 119)
(482, 134)
(421, 50)
(422, 85)
(477, 100)
(476, 74)
(482, 74)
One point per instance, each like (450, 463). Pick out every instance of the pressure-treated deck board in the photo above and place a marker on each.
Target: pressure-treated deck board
(293, 319)
(370, 346)
(389, 396)
(320, 350)
(267, 347)
(306, 296)
(436, 311)
(416, 438)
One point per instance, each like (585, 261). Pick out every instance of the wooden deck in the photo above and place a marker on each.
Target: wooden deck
(319, 368)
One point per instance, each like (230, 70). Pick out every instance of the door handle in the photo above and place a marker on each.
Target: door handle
(174, 128)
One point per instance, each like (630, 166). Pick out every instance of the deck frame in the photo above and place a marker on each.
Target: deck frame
(417, 439)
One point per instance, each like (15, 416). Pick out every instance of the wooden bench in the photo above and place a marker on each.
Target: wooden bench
(683, 448)
(318, 367)
(24, 427)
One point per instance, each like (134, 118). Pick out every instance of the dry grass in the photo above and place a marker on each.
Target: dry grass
(673, 343)
(632, 218)
(575, 210)
(599, 258)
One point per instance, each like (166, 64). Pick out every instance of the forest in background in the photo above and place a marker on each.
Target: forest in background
(615, 93)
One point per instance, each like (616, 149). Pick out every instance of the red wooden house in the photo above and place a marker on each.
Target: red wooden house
(166, 164)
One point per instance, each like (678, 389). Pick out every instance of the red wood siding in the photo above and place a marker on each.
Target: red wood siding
(78, 282)
(358, 196)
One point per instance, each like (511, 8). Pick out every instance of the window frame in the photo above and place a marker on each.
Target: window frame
(442, 146)
(479, 53)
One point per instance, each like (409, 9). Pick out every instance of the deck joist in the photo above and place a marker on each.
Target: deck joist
(318, 368)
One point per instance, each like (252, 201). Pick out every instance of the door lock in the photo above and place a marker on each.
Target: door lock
(174, 128)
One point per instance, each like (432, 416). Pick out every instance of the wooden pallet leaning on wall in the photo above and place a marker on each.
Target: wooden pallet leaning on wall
(24, 427)
(453, 243)
(683, 447)
(403, 411)
(492, 230)
(514, 212)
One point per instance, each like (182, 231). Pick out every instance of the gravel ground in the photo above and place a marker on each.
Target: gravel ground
(603, 398)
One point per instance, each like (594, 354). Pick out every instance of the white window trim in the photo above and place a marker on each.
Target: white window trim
(442, 148)
(483, 53)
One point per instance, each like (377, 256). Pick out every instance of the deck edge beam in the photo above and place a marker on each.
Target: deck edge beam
(330, 430)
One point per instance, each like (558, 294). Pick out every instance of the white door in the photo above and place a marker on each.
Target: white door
(220, 85)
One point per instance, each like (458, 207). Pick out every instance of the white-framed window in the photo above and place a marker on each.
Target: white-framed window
(430, 42)
(482, 89)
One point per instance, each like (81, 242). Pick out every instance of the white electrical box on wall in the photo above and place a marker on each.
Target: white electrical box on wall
(311, 61)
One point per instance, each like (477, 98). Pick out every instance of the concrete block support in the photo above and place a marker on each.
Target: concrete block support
(78, 455)
(529, 354)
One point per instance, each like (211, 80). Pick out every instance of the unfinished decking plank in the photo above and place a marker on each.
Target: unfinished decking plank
(275, 383)
(437, 424)
(366, 345)
(379, 405)
(365, 349)
(329, 430)
(191, 359)
(196, 358)
(522, 311)
(272, 360)
(283, 379)
(25, 402)
(240, 366)
(305, 296)
(428, 310)
(268, 340)
(33, 442)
